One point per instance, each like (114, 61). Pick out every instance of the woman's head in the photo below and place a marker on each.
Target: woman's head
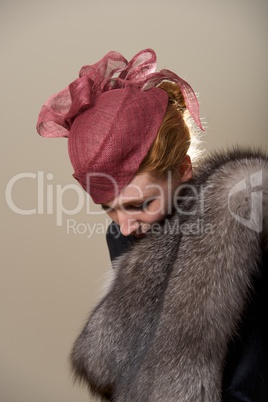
(121, 119)
(108, 141)
(152, 193)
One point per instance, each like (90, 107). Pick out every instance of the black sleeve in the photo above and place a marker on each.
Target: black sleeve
(246, 371)
(118, 244)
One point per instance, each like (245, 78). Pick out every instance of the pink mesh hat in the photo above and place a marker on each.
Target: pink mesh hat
(111, 115)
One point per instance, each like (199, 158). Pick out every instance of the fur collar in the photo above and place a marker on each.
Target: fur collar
(178, 297)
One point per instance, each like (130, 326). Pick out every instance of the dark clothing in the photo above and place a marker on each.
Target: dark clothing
(117, 243)
(246, 372)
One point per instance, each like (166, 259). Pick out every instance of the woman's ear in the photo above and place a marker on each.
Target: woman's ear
(186, 169)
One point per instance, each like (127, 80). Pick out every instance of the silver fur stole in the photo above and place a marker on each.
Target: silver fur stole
(162, 330)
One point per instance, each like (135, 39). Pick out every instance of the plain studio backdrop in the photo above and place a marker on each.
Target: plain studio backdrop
(54, 258)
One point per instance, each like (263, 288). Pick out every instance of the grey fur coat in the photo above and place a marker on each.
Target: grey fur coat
(162, 330)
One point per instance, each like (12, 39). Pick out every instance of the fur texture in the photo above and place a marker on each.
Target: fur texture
(161, 332)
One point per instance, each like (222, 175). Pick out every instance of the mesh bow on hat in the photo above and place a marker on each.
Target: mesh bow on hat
(111, 115)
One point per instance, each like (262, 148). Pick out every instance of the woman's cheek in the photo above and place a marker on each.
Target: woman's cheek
(157, 212)
(153, 217)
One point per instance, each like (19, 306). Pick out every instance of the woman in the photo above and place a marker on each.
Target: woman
(184, 317)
